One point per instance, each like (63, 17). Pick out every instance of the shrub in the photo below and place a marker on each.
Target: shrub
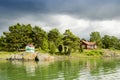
(60, 48)
(52, 48)
(94, 52)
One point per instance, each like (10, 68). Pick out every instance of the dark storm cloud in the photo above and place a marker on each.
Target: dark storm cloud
(12, 8)
(49, 12)
(89, 9)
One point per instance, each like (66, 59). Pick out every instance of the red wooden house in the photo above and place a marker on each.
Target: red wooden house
(88, 45)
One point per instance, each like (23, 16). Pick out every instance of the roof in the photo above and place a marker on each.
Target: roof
(88, 43)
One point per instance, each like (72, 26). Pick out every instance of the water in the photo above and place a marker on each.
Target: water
(73, 69)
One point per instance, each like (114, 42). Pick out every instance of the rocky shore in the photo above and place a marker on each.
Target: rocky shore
(111, 53)
(31, 56)
(47, 57)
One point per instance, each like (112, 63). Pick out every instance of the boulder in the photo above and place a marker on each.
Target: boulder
(15, 57)
(31, 56)
(44, 57)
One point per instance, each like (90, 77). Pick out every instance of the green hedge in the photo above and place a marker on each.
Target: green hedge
(93, 52)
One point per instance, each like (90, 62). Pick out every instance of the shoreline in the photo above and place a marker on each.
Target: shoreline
(86, 54)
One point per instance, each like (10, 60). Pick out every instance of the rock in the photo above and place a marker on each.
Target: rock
(15, 57)
(111, 53)
(31, 56)
(44, 57)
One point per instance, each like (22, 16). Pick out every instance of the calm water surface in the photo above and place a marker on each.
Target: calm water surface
(73, 69)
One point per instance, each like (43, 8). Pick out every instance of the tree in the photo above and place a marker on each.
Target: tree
(55, 36)
(70, 40)
(118, 44)
(17, 37)
(95, 37)
(39, 37)
(52, 47)
(106, 40)
(60, 48)
(2, 43)
(44, 45)
(114, 42)
(111, 42)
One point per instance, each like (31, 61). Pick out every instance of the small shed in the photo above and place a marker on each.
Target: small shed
(30, 48)
(88, 45)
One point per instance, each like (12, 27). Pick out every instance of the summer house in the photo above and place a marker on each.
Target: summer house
(88, 45)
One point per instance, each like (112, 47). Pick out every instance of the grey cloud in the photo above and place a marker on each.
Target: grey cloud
(88, 9)
(12, 11)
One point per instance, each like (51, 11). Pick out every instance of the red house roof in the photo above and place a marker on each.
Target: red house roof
(89, 43)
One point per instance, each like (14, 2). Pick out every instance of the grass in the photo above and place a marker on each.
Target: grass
(93, 52)
(84, 54)
(88, 54)
(5, 54)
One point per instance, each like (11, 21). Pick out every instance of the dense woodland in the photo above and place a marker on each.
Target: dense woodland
(20, 35)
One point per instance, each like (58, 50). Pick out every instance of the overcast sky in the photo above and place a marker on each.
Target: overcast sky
(80, 16)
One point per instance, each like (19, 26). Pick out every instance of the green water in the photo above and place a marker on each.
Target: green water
(73, 69)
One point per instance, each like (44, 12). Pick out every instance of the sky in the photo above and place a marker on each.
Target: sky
(80, 16)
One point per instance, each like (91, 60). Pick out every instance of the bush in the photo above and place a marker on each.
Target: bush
(60, 48)
(65, 50)
(44, 45)
(80, 49)
(52, 47)
(69, 51)
(93, 52)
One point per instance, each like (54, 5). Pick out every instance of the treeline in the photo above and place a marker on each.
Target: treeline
(20, 35)
(106, 42)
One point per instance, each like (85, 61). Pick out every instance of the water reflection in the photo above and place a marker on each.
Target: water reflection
(30, 66)
(72, 69)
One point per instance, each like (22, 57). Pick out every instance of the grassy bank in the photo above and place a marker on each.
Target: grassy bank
(88, 54)
(5, 54)
(84, 54)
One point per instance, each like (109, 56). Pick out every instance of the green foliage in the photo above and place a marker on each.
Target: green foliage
(19, 35)
(44, 45)
(94, 52)
(95, 37)
(39, 37)
(71, 40)
(65, 50)
(69, 51)
(106, 41)
(80, 49)
(55, 36)
(52, 48)
(111, 42)
(2, 43)
(60, 48)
